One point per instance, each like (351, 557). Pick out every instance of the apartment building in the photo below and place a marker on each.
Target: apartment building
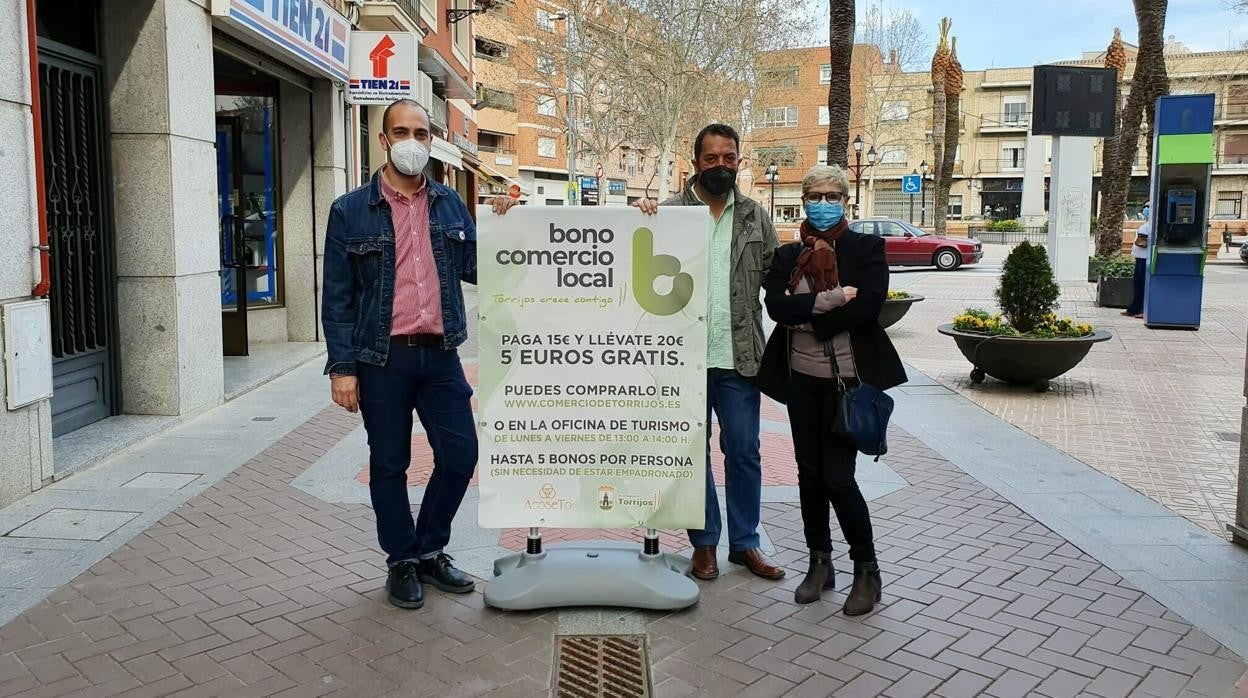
(790, 120)
(528, 71)
(995, 118)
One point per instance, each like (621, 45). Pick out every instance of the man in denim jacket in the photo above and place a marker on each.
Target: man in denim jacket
(395, 254)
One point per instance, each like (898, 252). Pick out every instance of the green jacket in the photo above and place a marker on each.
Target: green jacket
(754, 242)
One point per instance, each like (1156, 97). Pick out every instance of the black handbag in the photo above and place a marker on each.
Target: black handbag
(862, 413)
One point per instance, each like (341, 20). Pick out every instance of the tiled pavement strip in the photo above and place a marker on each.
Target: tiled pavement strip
(254, 587)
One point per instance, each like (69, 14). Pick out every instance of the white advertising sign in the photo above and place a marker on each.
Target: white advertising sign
(383, 67)
(310, 32)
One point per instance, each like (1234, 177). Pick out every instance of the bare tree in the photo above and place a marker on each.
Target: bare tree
(569, 61)
(841, 17)
(1148, 82)
(890, 96)
(678, 61)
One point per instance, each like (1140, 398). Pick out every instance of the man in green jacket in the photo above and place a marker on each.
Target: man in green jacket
(742, 242)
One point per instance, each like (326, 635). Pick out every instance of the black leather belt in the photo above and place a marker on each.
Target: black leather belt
(417, 340)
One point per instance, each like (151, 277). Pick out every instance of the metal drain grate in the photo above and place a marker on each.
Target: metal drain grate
(588, 666)
(1231, 436)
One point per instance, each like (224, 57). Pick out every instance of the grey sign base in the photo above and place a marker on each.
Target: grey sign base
(593, 573)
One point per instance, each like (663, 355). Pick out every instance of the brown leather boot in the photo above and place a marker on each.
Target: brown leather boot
(705, 562)
(820, 576)
(866, 590)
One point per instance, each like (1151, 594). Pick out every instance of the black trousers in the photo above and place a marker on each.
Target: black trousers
(825, 470)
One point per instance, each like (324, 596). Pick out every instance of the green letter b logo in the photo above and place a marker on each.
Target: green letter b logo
(647, 266)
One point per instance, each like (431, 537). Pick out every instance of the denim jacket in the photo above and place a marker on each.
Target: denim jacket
(359, 271)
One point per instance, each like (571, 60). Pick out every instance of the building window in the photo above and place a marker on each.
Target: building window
(1015, 113)
(821, 155)
(545, 21)
(1234, 149)
(778, 117)
(1013, 155)
(783, 156)
(825, 74)
(894, 156)
(1237, 100)
(546, 105)
(545, 147)
(780, 77)
(823, 116)
(603, 90)
(461, 37)
(630, 163)
(546, 65)
(1228, 204)
(955, 206)
(897, 110)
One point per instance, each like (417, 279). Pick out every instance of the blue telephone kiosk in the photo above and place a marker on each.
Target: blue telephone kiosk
(1182, 164)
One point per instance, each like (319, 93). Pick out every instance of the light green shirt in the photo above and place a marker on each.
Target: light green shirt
(719, 291)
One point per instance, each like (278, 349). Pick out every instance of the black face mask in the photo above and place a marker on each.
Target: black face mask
(718, 181)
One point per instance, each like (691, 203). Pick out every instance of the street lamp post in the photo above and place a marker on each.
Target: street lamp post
(571, 123)
(773, 173)
(858, 167)
(923, 189)
(913, 172)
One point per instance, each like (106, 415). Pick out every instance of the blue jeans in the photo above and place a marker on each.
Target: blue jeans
(735, 402)
(429, 380)
(1137, 285)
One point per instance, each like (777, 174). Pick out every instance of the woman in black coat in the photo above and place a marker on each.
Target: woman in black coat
(826, 292)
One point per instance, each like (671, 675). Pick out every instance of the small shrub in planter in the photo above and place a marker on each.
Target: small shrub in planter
(1114, 284)
(1005, 226)
(1027, 293)
(1027, 343)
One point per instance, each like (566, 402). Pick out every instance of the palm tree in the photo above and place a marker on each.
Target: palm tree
(953, 124)
(1148, 82)
(940, 69)
(841, 53)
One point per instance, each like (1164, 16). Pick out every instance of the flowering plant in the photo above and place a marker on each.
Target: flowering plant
(1050, 326)
(897, 295)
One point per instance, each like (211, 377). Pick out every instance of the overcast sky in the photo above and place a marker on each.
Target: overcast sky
(1028, 32)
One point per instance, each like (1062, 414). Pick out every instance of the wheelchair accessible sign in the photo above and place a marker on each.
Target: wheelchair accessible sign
(911, 184)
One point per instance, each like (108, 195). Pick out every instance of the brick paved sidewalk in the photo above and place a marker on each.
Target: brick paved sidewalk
(256, 588)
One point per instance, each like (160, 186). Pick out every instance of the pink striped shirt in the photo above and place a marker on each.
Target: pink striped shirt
(417, 293)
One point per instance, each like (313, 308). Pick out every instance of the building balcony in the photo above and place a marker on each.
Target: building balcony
(390, 15)
(1012, 122)
(1230, 161)
(1002, 166)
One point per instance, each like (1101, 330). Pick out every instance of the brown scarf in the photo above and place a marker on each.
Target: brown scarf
(818, 266)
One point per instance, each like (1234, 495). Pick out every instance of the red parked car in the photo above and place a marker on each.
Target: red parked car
(908, 246)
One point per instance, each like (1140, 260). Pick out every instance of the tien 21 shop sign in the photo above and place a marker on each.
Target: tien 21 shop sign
(309, 33)
(383, 67)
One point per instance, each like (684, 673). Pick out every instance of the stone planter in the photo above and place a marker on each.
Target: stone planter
(1114, 292)
(1029, 361)
(894, 310)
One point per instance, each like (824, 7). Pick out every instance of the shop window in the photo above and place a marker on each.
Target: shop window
(247, 201)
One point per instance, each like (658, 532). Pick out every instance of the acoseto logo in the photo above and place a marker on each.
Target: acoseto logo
(647, 266)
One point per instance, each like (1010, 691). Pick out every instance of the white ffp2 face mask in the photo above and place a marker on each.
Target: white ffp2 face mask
(409, 156)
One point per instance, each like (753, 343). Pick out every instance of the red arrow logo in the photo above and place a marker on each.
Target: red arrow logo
(381, 55)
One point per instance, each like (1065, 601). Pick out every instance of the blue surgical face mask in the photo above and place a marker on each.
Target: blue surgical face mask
(823, 215)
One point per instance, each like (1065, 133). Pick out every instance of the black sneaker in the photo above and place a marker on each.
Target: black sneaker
(403, 585)
(439, 572)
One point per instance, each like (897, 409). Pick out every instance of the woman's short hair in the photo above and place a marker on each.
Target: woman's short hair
(825, 174)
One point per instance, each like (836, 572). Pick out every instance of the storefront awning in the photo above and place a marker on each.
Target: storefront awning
(441, 149)
(444, 75)
(484, 171)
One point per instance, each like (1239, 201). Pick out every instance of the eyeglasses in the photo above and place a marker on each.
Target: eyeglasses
(831, 197)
